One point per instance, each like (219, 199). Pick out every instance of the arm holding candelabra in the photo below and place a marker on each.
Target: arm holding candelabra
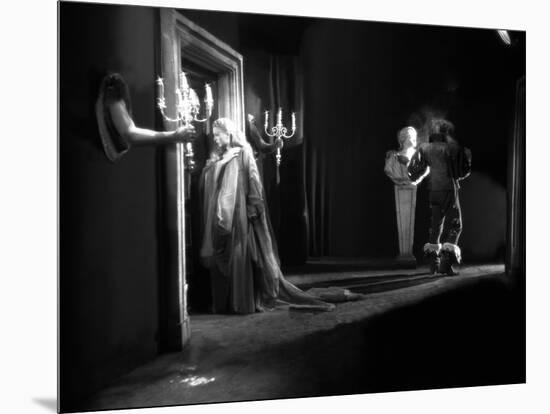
(279, 131)
(255, 137)
(117, 129)
(134, 135)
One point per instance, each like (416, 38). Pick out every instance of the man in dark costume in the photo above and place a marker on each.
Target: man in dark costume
(446, 163)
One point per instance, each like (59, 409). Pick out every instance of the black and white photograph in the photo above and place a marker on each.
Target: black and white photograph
(258, 206)
(278, 206)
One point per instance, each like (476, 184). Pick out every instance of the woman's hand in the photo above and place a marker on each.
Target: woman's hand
(230, 154)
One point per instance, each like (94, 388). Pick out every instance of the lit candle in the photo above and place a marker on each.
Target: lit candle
(293, 121)
(266, 119)
(280, 117)
(208, 98)
(160, 89)
(194, 98)
(183, 82)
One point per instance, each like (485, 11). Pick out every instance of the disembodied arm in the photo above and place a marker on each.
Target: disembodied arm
(134, 135)
(255, 137)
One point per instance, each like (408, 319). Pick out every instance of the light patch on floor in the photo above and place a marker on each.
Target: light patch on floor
(194, 381)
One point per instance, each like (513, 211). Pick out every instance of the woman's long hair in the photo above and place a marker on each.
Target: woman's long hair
(236, 137)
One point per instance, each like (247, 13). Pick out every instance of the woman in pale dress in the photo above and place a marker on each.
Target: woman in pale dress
(238, 244)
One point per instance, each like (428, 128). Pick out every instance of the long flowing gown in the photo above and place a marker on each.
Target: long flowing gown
(238, 245)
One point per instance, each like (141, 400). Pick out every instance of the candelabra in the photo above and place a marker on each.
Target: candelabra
(279, 131)
(187, 109)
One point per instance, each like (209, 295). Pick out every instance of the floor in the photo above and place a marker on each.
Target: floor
(412, 331)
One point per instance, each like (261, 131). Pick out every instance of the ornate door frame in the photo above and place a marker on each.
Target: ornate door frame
(180, 37)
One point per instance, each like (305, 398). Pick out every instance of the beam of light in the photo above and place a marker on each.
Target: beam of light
(505, 36)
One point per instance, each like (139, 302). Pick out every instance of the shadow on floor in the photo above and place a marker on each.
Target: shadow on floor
(474, 335)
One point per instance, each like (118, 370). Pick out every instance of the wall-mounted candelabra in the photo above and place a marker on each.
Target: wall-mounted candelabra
(279, 131)
(188, 109)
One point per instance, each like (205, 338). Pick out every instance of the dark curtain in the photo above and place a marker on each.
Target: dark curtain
(285, 186)
(351, 118)
(317, 199)
(287, 92)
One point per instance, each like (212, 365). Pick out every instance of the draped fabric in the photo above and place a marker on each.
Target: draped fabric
(238, 245)
(395, 167)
